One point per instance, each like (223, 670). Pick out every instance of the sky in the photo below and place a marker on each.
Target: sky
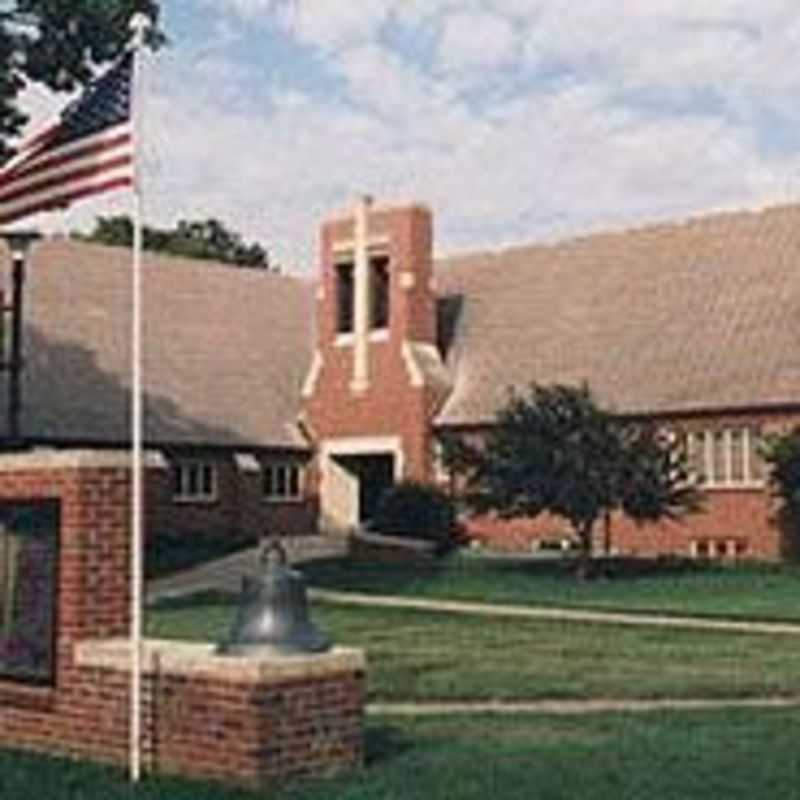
(515, 121)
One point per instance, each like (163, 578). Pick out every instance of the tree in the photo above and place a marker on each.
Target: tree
(782, 454)
(59, 44)
(208, 239)
(555, 450)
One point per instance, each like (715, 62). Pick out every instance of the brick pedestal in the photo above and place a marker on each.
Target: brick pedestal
(242, 720)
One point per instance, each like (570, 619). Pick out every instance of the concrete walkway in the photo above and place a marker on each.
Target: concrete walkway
(225, 575)
(574, 707)
(556, 613)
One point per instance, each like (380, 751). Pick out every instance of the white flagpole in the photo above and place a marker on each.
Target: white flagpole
(139, 24)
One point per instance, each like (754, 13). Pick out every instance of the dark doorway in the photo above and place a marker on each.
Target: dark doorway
(375, 473)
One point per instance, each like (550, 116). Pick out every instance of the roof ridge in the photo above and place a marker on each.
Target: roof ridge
(153, 256)
(655, 227)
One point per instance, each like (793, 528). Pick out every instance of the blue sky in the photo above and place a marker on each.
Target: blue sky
(514, 120)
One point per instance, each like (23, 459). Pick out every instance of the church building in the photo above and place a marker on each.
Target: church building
(287, 404)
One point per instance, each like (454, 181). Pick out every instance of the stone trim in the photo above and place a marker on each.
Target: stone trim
(200, 658)
(346, 247)
(365, 445)
(246, 463)
(407, 279)
(380, 207)
(50, 459)
(415, 374)
(312, 376)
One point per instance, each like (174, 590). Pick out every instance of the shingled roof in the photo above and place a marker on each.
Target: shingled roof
(668, 318)
(702, 315)
(225, 349)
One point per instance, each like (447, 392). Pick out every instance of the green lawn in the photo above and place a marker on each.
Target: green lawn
(666, 756)
(426, 656)
(757, 591)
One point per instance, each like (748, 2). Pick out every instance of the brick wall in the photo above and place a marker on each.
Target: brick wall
(239, 509)
(746, 518)
(240, 720)
(93, 600)
(735, 522)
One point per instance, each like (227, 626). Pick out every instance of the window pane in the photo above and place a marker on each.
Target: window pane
(380, 294)
(294, 482)
(269, 481)
(280, 481)
(696, 454)
(718, 470)
(344, 297)
(28, 570)
(757, 468)
(737, 455)
(191, 485)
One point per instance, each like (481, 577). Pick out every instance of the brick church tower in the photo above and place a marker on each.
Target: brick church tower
(377, 377)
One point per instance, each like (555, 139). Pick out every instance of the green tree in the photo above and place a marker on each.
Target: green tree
(556, 451)
(58, 44)
(782, 454)
(207, 239)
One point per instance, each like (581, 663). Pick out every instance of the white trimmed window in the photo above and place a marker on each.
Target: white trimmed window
(194, 481)
(726, 457)
(441, 474)
(283, 482)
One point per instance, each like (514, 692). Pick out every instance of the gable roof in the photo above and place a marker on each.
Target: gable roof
(702, 315)
(225, 350)
(668, 318)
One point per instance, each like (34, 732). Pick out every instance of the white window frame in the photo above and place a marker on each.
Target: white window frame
(704, 440)
(205, 491)
(285, 467)
(441, 474)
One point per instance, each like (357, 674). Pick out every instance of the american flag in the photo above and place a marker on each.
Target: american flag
(87, 151)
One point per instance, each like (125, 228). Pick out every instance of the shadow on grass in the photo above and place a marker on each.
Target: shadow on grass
(383, 743)
(196, 600)
(345, 574)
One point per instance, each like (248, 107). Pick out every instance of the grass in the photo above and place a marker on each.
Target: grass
(725, 755)
(752, 591)
(416, 655)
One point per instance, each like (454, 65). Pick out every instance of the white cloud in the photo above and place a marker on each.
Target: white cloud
(249, 9)
(476, 41)
(334, 24)
(595, 145)
(390, 86)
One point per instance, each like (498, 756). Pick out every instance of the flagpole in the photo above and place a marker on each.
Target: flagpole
(138, 24)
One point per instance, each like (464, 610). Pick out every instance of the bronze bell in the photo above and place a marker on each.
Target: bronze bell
(272, 618)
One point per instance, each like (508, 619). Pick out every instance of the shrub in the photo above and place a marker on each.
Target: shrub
(782, 453)
(418, 511)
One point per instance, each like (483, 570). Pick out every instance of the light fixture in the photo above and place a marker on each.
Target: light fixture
(19, 243)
